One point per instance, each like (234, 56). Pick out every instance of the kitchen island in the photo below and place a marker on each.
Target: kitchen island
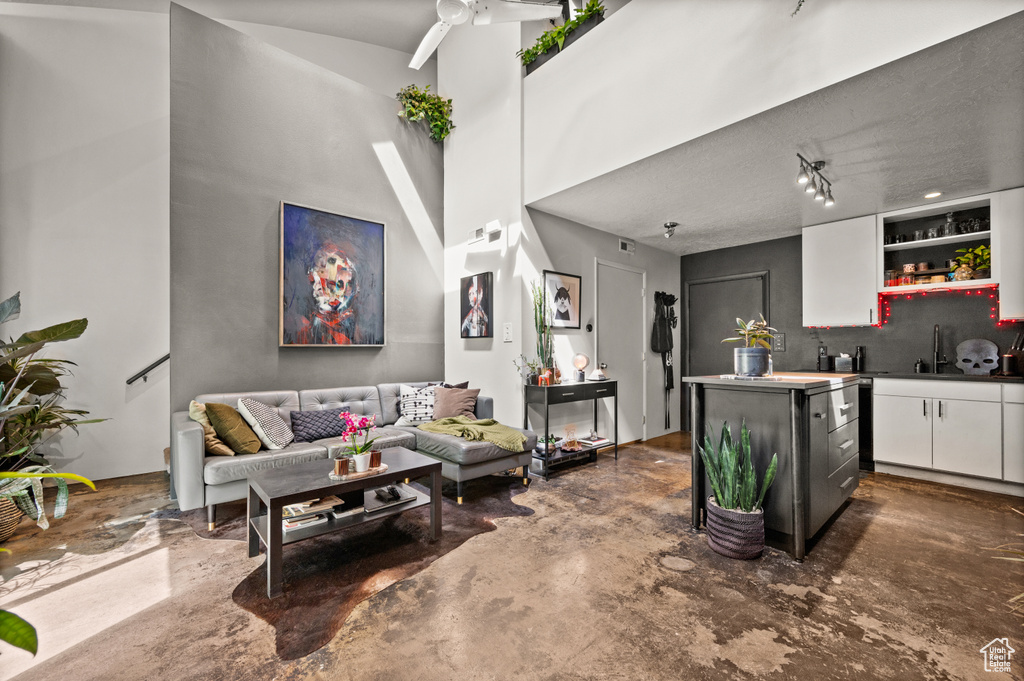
(809, 420)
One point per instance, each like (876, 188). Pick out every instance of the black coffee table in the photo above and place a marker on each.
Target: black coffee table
(271, 490)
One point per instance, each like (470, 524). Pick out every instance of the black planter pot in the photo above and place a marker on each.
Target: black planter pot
(735, 534)
(576, 34)
(751, 361)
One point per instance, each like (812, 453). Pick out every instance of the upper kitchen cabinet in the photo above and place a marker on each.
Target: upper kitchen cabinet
(1008, 252)
(840, 273)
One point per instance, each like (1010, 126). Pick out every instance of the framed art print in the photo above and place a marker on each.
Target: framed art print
(563, 293)
(476, 296)
(332, 279)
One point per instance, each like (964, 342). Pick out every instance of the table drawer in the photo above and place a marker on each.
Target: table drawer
(572, 392)
(844, 481)
(843, 443)
(842, 406)
(599, 390)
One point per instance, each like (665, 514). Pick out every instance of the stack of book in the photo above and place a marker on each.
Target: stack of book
(314, 512)
(594, 441)
(305, 521)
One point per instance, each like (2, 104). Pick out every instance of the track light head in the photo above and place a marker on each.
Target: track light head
(670, 229)
(829, 201)
(819, 195)
(811, 187)
(814, 183)
(803, 177)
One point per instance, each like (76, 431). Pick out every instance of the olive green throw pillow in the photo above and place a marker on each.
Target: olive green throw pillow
(232, 428)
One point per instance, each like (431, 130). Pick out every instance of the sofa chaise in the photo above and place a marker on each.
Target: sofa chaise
(199, 480)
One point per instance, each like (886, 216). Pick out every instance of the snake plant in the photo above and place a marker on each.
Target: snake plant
(731, 470)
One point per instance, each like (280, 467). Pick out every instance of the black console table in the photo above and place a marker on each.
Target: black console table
(570, 392)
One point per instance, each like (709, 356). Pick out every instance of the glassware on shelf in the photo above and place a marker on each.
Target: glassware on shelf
(934, 232)
(918, 235)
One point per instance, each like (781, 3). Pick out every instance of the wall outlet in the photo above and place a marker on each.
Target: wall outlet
(506, 333)
(779, 343)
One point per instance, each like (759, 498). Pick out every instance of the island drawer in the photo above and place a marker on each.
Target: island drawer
(843, 443)
(842, 406)
(844, 481)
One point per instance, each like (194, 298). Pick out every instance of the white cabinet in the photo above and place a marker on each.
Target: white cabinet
(902, 430)
(967, 438)
(840, 269)
(1008, 251)
(926, 424)
(1013, 433)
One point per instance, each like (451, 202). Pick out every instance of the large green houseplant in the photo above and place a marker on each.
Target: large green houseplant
(977, 260)
(754, 358)
(735, 520)
(558, 38)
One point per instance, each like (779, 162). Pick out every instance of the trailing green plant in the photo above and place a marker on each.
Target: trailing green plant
(753, 333)
(977, 258)
(731, 470)
(418, 105)
(555, 37)
(13, 629)
(542, 324)
(799, 4)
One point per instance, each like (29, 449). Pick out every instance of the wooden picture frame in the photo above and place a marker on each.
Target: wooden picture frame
(563, 292)
(331, 290)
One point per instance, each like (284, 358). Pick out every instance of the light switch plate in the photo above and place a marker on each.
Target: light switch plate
(506, 334)
(779, 344)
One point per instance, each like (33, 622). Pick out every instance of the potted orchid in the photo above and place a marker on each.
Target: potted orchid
(359, 453)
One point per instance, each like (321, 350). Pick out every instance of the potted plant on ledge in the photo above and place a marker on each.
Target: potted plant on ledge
(975, 263)
(558, 38)
(735, 517)
(754, 358)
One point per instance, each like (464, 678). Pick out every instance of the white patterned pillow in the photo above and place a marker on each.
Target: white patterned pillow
(417, 404)
(269, 427)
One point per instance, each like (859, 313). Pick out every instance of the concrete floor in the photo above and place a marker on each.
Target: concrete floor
(604, 581)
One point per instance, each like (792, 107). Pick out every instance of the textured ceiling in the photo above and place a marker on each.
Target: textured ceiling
(949, 118)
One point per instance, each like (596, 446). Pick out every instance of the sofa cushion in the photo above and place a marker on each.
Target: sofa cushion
(218, 470)
(310, 426)
(211, 443)
(465, 452)
(363, 400)
(390, 396)
(388, 436)
(417, 404)
(285, 401)
(454, 402)
(270, 428)
(232, 428)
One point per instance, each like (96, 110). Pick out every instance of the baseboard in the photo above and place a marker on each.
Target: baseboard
(986, 485)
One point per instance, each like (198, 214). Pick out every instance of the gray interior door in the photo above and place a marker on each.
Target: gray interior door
(711, 309)
(621, 339)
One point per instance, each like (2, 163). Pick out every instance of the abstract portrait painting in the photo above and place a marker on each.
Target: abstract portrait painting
(563, 293)
(332, 279)
(475, 294)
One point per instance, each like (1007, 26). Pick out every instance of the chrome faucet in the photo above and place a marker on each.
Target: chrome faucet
(936, 362)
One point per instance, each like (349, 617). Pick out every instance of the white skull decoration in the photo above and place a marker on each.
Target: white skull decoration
(977, 356)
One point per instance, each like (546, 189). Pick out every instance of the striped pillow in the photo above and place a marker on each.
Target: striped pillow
(417, 404)
(269, 427)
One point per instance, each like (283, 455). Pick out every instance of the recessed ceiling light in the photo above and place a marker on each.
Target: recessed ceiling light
(933, 195)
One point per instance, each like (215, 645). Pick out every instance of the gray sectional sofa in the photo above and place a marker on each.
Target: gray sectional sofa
(199, 480)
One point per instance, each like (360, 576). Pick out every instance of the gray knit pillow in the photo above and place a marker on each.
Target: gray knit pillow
(310, 426)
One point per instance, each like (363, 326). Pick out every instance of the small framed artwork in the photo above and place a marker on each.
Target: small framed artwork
(332, 279)
(563, 292)
(477, 297)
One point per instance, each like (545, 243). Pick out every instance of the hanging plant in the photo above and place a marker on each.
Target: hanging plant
(418, 105)
(555, 38)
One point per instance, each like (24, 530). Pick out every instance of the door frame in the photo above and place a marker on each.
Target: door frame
(643, 338)
(763, 275)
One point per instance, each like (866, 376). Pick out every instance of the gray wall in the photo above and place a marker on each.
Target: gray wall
(893, 348)
(252, 126)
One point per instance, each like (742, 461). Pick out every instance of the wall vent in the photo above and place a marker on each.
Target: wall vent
(627, 245)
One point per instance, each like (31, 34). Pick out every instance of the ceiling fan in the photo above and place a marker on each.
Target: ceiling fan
(454, 12)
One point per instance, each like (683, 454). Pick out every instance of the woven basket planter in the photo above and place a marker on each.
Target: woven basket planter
(10, 517)
(735, 534)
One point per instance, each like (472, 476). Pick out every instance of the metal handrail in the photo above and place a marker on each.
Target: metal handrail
(154, 365)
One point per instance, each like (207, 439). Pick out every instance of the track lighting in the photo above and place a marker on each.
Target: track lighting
(815, 184)
(670, 228)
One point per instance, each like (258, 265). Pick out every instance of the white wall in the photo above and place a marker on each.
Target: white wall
(659, 73)
(84, 148)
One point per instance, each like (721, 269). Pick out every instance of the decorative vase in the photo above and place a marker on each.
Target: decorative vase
(375, 458)
(362, 462)
(10, 517)
(751, 361)
(735, 534)
(341, 466)
(963, 273)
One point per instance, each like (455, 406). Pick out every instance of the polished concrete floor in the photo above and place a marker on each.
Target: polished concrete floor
(604, 581)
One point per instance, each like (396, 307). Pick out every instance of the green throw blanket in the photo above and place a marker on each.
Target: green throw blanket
(482, 429)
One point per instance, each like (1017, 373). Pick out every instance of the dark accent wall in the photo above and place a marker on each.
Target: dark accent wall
(894, 347)
(251, 126)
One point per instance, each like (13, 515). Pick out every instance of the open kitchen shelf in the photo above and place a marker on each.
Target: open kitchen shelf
(939, 240)
(941, 286)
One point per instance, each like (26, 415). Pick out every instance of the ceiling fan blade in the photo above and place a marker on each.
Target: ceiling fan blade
(501, 11)
(430, 42)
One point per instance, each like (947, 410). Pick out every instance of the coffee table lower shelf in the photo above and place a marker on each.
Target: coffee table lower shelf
(335, 524)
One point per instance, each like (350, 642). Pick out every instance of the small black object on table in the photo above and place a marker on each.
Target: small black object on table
(271, 490)
(548, 395)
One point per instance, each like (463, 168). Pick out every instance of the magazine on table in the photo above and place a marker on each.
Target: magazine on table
(310, 507)
(306, 521)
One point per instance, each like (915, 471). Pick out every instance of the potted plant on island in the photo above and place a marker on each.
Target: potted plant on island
(754, 358)
(735, 517)
(975, 263)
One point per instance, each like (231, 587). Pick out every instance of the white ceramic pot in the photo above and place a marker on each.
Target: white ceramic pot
(362, 462)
